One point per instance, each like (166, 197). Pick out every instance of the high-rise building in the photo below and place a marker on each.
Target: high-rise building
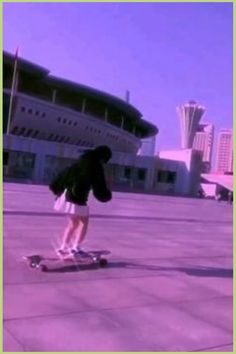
(203, 141)
(190, 114)
(224, 153)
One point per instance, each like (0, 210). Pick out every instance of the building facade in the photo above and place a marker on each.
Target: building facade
(54, 121)
(224, 153)
(203, 141)
(148, 147)
(189, 114)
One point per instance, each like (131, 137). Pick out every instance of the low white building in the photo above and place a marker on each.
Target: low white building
(38, 161)
(185, 164)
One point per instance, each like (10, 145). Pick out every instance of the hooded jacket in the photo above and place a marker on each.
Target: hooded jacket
(84, 175)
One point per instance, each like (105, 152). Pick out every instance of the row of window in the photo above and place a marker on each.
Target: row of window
(70, 122)
(52, 137)
(34, 133)
(25, 132)
(91, 129)
(64, 139)
(141, 173)
(31, 111)
(166, 176)
(112, 136)
(162, 176)
(64, 121)
(27, 161)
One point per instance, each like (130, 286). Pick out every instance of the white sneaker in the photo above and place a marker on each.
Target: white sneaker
(78, 251)
(63, 252)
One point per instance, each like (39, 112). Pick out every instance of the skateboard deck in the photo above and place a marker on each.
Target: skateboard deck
(50, 261)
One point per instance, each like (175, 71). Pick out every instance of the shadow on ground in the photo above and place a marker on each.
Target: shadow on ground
(200, 271)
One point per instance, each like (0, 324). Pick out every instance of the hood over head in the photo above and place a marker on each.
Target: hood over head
(103, 153)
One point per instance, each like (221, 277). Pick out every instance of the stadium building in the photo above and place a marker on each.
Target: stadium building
(49, 121)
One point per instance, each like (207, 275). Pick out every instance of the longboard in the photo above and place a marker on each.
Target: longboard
(47, 262)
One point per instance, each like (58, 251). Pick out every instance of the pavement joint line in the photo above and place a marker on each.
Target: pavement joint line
(91, 310)
(209, 322)
(14, 337)
(213, 347)
(105, 216)
(154, 303)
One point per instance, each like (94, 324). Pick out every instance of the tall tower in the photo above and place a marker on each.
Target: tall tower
(224, 153)
(190, 114)
(203, 141)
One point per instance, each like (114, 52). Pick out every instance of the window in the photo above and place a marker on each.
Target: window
(22, 109)
(59, 119)
(166, 176)
(28, 132)
(75, 124)
(127, 172)
(70, 122)
(36, 113)
(43, 115)
(30, 111)
(64, 121)
(5, 158)
(35, 133)
(171, 177)
(142, 174)
(22, 131)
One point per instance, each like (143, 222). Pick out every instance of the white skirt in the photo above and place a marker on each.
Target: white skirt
(63, 206)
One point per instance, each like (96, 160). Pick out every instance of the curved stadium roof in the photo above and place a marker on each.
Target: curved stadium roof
(123, 106)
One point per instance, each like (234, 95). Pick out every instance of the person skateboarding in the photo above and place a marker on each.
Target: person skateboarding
(71, 188)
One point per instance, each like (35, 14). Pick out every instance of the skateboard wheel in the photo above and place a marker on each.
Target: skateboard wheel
(103, 262)
(33, 265)
(43, 268)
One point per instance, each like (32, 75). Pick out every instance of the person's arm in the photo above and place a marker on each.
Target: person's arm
(99, 187)
(58, 185)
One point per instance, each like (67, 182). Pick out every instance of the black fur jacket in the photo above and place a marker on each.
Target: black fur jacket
(84, 175)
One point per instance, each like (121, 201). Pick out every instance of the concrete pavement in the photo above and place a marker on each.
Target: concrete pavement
(168, 286)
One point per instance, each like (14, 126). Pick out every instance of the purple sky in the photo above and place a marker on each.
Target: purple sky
(164, 53)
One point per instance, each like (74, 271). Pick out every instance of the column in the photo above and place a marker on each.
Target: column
(106, 114)
(122, 122)
(39, 165)
(54, 94)
(83, 105)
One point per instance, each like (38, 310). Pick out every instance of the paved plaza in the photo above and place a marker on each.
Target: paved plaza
(168, 286)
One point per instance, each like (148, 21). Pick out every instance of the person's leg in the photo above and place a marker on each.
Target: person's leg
(69, 231)
(81, 231)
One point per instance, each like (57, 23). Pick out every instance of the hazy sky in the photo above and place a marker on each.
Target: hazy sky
(164, 53)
